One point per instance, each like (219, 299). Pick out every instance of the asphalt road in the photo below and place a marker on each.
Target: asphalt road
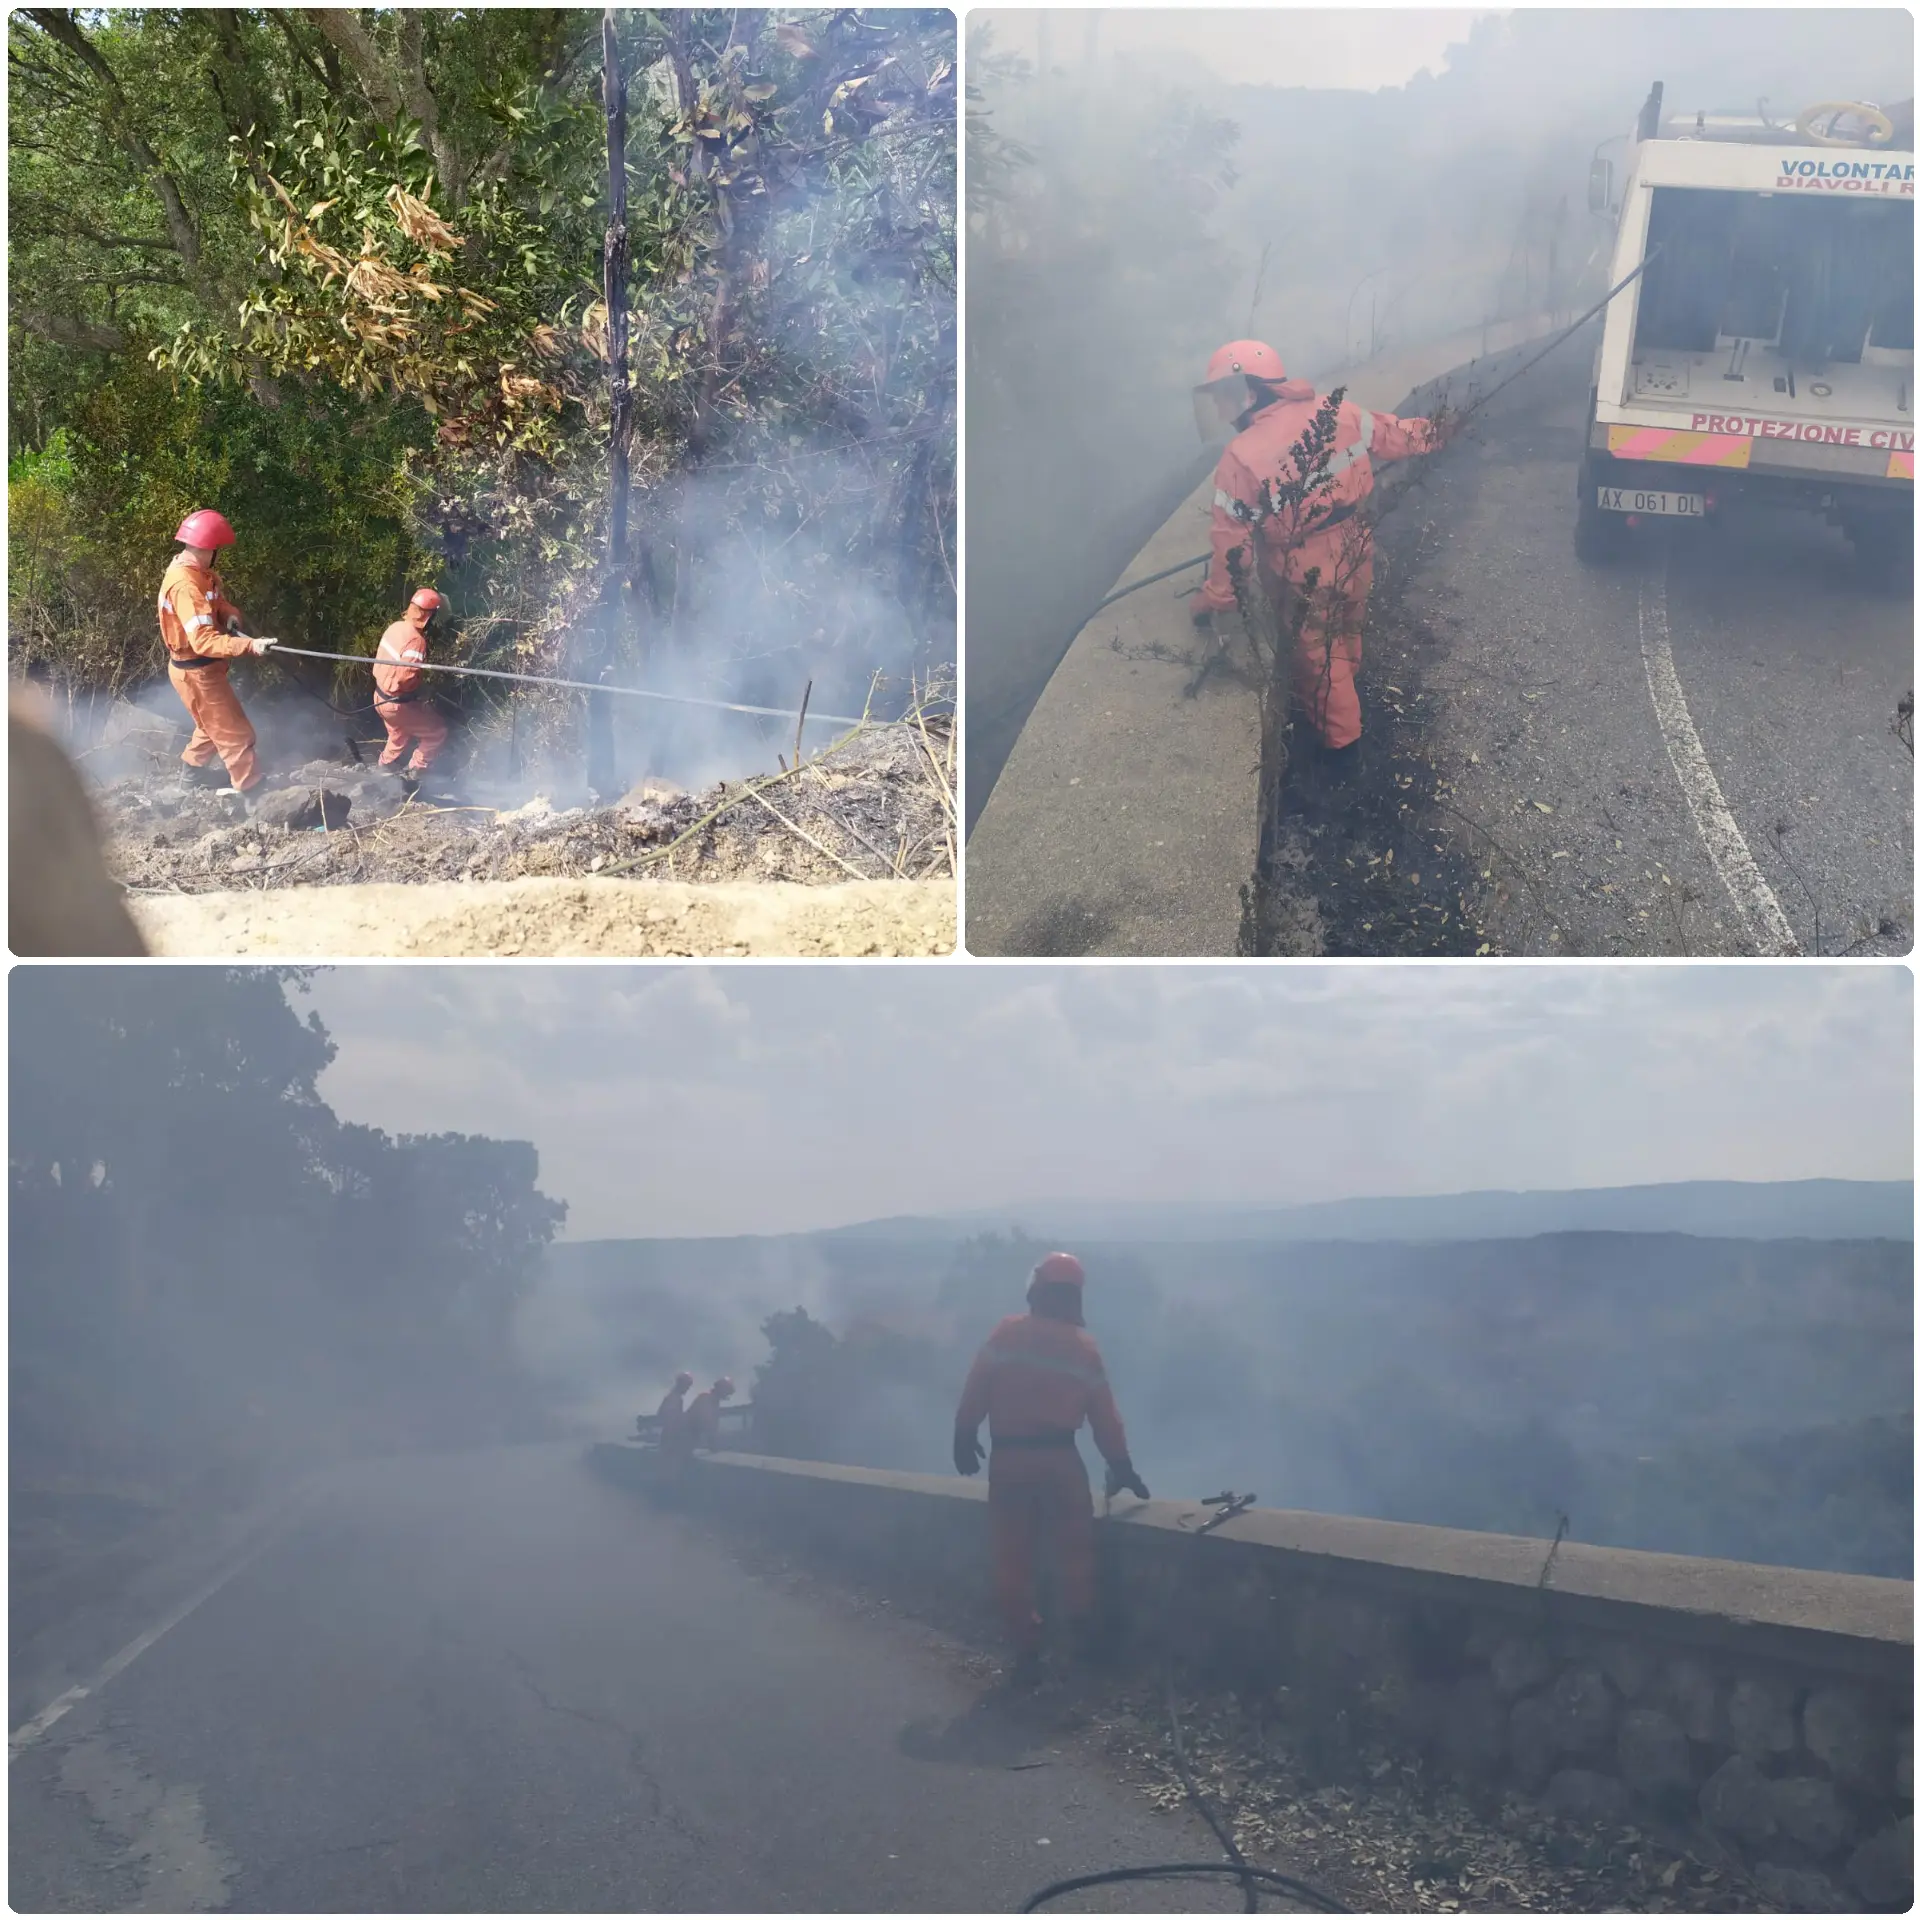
(490, 1682)
(1556, 702)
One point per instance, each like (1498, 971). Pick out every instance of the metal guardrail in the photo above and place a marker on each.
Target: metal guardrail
(735, 1423)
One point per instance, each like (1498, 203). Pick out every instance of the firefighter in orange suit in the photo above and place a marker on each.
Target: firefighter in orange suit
(1038, 1377)
(672, 1417)
(1318, 528)
(400, 696)
(703, 1415)
(200, 629)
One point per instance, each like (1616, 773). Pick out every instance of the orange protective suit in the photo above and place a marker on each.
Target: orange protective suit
(673, 1417)
(195, 614)
(400, 697)
(703, 1421)
(1325, 533)
(1034, 1382)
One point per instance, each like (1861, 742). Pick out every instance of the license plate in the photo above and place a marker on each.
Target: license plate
(1678, 506)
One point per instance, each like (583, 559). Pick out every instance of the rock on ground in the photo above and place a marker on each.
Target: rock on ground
(1795, 1891)
(298, 808)
(1576, 1793)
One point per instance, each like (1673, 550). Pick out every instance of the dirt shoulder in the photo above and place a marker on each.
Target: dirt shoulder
(552, 918)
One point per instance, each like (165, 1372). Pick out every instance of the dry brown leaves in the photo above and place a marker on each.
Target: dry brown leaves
(1385, 1838)
(420, 223)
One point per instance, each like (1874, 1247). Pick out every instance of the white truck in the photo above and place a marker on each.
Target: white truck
(1764, 354)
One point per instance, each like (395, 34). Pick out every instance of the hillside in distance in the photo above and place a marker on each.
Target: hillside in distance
(1649, 1385)
(1732, 1209)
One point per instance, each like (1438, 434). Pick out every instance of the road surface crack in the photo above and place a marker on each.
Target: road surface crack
(633, 1744)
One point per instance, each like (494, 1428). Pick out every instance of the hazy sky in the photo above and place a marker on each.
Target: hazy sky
(1258, 46)
(670, 1100)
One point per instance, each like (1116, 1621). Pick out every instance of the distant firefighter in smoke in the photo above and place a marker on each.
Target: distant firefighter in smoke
(671, 1420)
(703, 1416)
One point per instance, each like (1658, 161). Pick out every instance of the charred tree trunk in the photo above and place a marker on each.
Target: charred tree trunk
(601, 774)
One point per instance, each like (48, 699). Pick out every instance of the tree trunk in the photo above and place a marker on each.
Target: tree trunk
(601, 774)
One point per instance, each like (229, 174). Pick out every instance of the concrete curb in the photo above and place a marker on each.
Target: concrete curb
(1772, 1703)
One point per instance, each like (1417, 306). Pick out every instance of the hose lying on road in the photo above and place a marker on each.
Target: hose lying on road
(1253, 1880)
(1260, 1877)
(582, 686)
(1466, 414)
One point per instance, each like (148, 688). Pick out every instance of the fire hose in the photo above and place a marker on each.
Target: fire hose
(1253, 1880)
(582, 686)
(1560, 339)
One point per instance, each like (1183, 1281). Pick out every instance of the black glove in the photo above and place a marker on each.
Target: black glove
(1203, 618)
(1121, 1478)
(966, 1453)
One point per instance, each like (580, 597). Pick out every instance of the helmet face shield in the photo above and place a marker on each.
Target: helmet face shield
(1218, 404)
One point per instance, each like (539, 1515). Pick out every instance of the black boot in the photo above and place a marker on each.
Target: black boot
(1027, 1672)
(1096, 1649)
(1338, 765)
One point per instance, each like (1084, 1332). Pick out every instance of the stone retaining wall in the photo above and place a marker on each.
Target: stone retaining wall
(1774, 1704)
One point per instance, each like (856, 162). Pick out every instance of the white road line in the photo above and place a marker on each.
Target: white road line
(1726, 846)
(56, 1710)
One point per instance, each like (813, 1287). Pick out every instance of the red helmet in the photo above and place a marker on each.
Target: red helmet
(1225, 397)
(427, 598)
(682, 1381)
(1062, 1269)
(722, 1387)
(1254, 358)
(205, 529)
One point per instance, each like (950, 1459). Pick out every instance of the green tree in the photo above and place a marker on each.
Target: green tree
(340, 270)
(213, 1280)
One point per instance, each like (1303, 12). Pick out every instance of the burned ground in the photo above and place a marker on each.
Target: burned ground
(1379, 864)
(876, 807)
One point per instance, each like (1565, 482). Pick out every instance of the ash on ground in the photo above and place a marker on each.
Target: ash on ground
(877, 805)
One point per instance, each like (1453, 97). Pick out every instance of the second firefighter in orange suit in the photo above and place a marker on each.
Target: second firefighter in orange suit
(1323, 534)
(400, 696)
(200, 629)
(1038, 1377)
(703, 1416)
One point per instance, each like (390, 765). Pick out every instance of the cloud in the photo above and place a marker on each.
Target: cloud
(687, 1100)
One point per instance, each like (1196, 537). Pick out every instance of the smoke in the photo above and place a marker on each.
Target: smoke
(1641, 1383)
(140, 735)
(608, 1323)
(1133, 210)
